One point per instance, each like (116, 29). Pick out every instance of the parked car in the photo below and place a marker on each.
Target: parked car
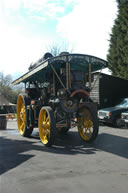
(112, 115)
(124, 118)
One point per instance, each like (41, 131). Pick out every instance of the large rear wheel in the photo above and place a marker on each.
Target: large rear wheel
(46, 124)
(23, 116)
(87, 124)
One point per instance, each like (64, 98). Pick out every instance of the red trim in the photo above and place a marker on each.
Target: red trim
(79, 91)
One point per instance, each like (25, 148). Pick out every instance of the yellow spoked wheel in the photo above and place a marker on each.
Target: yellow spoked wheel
(22, 116)
(87, 124)
(46, 124)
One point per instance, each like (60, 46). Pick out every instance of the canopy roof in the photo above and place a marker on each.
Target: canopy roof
(42, 70)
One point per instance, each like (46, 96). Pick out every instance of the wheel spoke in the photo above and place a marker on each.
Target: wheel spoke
(48, 131)
(44, 116)
(22, 127)
(47, 119)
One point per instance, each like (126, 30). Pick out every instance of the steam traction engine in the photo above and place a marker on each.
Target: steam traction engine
(56, 95)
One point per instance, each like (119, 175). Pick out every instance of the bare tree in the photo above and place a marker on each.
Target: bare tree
(5, 80)
(6, 88)
(56, 48)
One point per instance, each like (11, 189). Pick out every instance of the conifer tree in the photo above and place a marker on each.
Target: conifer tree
(118, 50)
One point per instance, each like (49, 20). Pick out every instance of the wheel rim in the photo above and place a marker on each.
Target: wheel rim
(21, 115)
(44, 126)
(85, 124)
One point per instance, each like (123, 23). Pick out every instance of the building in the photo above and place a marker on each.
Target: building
(108, 90)
(5, 106)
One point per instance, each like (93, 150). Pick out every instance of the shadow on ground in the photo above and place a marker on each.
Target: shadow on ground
(12, 152)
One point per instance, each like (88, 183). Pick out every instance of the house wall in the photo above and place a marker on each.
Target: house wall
(94, 94)
(108, 90)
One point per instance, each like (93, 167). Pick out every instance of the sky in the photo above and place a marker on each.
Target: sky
(29, 27)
